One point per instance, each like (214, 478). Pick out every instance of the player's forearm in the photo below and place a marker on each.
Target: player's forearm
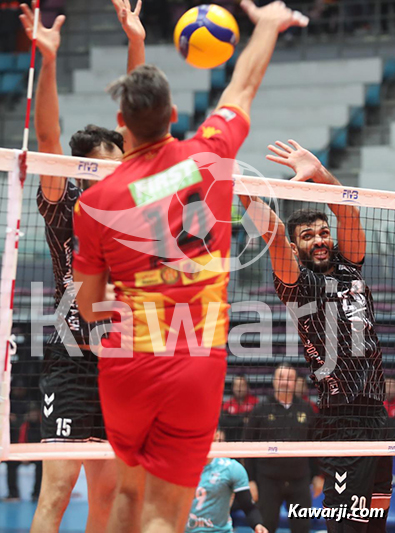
(246, 504)
(251, 66)
(264, 218)
(340, 211)
(47, 108)
(136, 54)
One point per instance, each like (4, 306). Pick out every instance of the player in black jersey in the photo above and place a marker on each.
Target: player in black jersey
(310, 270)
(70, 401)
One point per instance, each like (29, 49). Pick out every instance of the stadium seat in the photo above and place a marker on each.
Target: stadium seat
(373, 94)
(357, 117)
(218, 78)
(182, 126)
(7, 62)
(201, 101)
(22, 62)
(11, 83)
(389, 70)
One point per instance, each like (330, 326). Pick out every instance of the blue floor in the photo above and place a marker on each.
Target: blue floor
(16, 517)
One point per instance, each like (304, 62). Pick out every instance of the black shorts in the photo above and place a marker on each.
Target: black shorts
(70, 402)
(354, 481)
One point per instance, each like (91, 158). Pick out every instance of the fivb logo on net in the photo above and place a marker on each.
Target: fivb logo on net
(163, 188)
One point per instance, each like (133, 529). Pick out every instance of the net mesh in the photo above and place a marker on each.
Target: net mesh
(267, 371)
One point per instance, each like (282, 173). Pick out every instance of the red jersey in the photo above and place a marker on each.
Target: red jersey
(390, 406)
(233, 407)
(161, 224)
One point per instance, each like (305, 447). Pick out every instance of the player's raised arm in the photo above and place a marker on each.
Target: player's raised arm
(46, 101)
(272, 229)
(132, 26)
(250, 68)
(350, 233)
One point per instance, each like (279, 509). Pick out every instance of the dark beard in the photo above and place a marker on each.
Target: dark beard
(307, 260)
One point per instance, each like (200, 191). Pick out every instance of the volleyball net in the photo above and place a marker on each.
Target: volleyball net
(267, 371)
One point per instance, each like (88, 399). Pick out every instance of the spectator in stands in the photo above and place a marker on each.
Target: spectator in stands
(389, 404)
(9, 25)
(18, 409)
(30, 431)
(283, 417)
(235, 410)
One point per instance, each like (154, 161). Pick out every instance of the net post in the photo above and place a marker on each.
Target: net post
(7, 288)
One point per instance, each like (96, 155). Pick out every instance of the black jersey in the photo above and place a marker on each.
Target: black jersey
(58, 217)
(358, 373)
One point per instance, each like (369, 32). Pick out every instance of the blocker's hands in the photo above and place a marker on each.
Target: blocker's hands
(305, 164)
(48, 39)
(275, 13)
(129, 19)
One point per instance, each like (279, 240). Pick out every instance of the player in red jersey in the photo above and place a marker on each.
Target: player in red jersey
(161, 381)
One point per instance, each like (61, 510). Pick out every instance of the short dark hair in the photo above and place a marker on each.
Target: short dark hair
(303, 216)
(145, 102)
(83, 142)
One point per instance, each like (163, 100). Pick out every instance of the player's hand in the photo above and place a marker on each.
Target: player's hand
(130, 20)
(48, 39)
(317, 485)
(275, 13)
(303, 163)
(260, 529)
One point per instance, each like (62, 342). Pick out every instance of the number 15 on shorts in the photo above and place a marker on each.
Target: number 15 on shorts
(63, 427)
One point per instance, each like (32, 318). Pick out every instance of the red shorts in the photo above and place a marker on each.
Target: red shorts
(162, 412)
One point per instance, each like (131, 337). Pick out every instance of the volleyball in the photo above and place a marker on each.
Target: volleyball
(206, 36)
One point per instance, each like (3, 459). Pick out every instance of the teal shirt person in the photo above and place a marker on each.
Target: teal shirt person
(211, 506)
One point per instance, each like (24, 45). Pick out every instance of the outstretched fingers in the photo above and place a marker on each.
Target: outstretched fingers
(299, 19)
(275, 150)
(118, 4)
(27, 14)
(250, 9)
(294, 144)
(284, 146)
(280, 160)
(59, 21)
(137, 10)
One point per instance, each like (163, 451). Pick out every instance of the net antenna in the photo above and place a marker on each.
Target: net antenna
(16, 183)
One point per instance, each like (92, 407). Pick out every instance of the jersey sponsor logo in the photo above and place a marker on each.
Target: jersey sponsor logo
(169, 275)
(214, 478)
(187, 273)
(354, 305)
(210, 131)
(198, 521)
(149, 190)
(301, 418)
(225, 113)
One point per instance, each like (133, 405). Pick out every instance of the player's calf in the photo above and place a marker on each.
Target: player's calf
(59, 479)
